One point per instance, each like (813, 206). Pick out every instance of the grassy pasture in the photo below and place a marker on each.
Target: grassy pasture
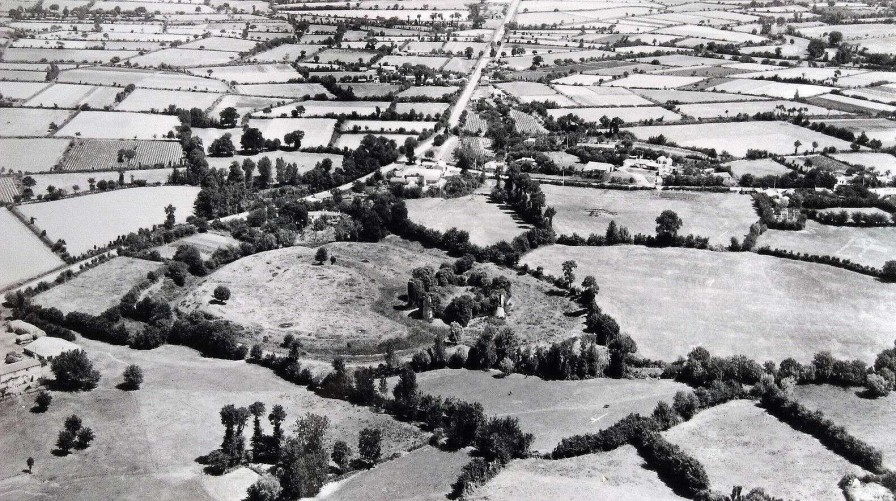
(94, 220)
(868, 246)
(22, 254)
(715, 110)
(318, 131)
(243, 104)
(394, 126)
(365, 90)
(422, 475)
(304, 161)
(73, 96)
(672, 300)
(147, 440)
(141, 78)
(864, 418)
(629, 114)
(115, 125)
(738, 137)
(760, 167)
(619, 474)
(740, 444)
(31, 155)
(157, 99)
(286, 90)
(435, 91)
(718, 216)
(21, 90)
(29, 121)
(691, 96)
(550, 410)
(184, 57)
(251, 73)
(99, 288)
(283, 291)
(352, 141)
(206, 243)
(486, 222)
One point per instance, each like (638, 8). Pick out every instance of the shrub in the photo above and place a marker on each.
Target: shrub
(672, 464)
(475, 473)
(133, 377)
(222, 293)
(42, 400)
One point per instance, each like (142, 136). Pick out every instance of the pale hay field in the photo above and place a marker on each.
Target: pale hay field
(99, 288)
(94, 220)
(486, 222)
(115, 125)
(21, 122)
(618, 474)
(168, 423)
(22, 254)
(740, 444)
(673, 300)
(868, 246)
(31, 155)
(718, 216)
(550, 410)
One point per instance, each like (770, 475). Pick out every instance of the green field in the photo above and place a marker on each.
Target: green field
(147, 440)
(672, 300)
(740, 444)
(718, 216)
(550, 410)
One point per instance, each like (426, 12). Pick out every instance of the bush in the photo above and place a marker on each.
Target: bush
(74, 371)
(222, 293)
(502, 440)
(877, 386)
(133, 377)
(42, 400)
(672, 464)
(475, 473)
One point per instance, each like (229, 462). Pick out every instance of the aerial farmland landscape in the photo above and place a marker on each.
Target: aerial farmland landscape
(425, 250)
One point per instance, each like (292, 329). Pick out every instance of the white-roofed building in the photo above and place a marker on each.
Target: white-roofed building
(48, 348)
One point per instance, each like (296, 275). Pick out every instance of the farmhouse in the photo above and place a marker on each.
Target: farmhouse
(598, 167)
(18, 377)
(47, 348)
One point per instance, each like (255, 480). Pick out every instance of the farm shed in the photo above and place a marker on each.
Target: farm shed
(47, 348)
(18, 377)
(598, 167)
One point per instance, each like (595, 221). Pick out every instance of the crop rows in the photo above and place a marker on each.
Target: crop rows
(102, 154)
(8, 189)
(526, 124)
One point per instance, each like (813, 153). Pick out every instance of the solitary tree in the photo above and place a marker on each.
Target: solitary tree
(229, 116)
(796, 146)
(410, 144)
(252, 140)
(74, 371)
(169, 216)
(257, 410)
(667, 225)
(30, 464)
(133, 377)
(321, 255)
(370, 445)
(222, 293)
(569, 277)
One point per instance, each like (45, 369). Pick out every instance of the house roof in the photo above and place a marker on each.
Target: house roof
(47, 347)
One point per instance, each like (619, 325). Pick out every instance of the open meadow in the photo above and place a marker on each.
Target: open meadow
(865, 418)
(98, 289)
(94, 220)
(673, 300)
(618, 474)
(22, 254)
(550, 410)
(740, 444)
(867, 246)
(147, 441)
(486, 222)
(718, 216)
(31, 155)
(113, 125)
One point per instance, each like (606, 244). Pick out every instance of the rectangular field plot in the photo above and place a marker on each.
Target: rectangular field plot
(865, 418)
(352, 141)
(102, 154)
(738, 137)
(290, 90)
(740, 444)
(251, 73)
(601, 96)
(97, 289)
(95, 220)
(67, 181)
(29, 121)
(9, 189)
(486, 222)
(757, 168)
(304, 161)
(644, 81)
(434, 91)
(399, 126)
(73, 96)
(550, 410)
(770, 88)
(318, 131)
(156, 99)
(716, 110)
(22, 254)
(115, 125)
(286, 52)
(244, 104)
(718, 216)
(21, 90)
(66, 55)
(874, 128)
(868, 246)
(365, 90)
(140, 78)
(732, 303)
(618, 474)
(630, 114)
(692, 96)
(184, 57)
(31, 155)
